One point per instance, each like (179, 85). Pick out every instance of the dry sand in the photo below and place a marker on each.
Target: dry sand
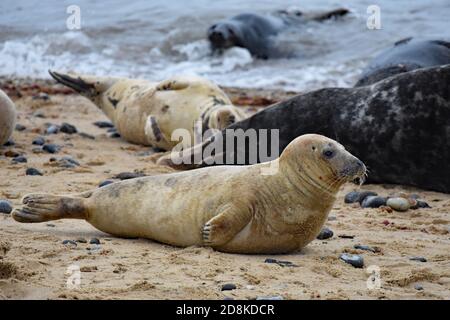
(34, 262)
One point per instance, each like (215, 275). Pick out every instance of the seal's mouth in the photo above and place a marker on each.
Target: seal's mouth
(355, 173)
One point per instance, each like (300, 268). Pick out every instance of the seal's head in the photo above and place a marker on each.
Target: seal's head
(223, 35)
(321, 162)
(224, 116)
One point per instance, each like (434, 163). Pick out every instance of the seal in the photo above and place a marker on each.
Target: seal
(406, 55)
(255, 32)
(399, 127)
(237, 209)
(7, 117)
(148, 113)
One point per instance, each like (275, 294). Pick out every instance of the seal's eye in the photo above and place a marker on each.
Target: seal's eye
(328, 154)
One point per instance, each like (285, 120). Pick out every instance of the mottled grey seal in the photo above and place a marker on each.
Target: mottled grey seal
(399, 127)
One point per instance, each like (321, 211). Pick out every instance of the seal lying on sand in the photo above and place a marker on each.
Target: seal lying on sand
(7, 117)
(406, 55)
(400, 127)
(241, 209)
(254, 31)
(147, 112)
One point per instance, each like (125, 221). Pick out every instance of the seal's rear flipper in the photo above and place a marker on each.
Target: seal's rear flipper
(331, 14)
(45, 207)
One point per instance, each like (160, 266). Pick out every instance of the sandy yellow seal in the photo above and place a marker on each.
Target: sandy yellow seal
(7, 117)
(239, 209)
(147, 113)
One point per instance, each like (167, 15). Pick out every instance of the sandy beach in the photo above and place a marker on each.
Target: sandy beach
(35, 264)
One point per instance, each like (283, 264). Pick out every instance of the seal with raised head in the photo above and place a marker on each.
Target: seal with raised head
(399, 127)
(7, 117)
(255, 32)
(275, 207)
(406, 55)
(147, 113)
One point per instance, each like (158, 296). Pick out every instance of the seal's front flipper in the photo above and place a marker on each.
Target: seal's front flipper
(154, 134)
(45, 207)
(173, 84)
(225, 226)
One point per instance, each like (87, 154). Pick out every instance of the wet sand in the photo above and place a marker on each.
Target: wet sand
(34, 262)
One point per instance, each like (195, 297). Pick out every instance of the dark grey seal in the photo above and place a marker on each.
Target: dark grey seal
(255, 32)
(406, 55)
(399, 127)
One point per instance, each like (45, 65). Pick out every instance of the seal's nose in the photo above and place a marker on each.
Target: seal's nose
(217, 37)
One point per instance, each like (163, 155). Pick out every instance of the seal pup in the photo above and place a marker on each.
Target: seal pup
(399, 127)
(240, 209)
(7, 117)
(406, 55)
(147, 112)
(254, 31)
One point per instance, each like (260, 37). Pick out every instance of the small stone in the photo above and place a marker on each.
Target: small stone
(128, 175)
(373, 202)
(270, 298)
(37, 150)
(346, 236)
(365, 248)
(81, 240)
(356, 196)
(398, 204)
(111, 130)
(228, 298)
(9, 143)
(105, 183)
(325, 233)
(228, 287)
(19, 159)
(41, 96)
(103, 124)
(280, 262)
(39, 114)
(419, 259)
(332, 218)
(51, 225)
(420, 204)
(51, 148)
(11, 154)
(386, 222)
(86, 135)
(33, 172)
(68, 162)
(418, 287)
(68, 128)
(115, 135)
(5, 207)
(94, 241)
(20, 127)
(52, 129)
(353, 259)
(69, 243)
(39, 141)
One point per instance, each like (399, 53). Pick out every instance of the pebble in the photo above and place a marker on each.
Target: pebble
(68, 162)
(39, 141)
(418, 287)
(420, 259)
(11, 154)
(105, 183)
(9, 143)
(68, 128)
(325, 233)
(94, 241)
(69, 243)
(373, 202)
(115, 135)
(365, 248)
(52, 129)
(128, 175)
(19, 159)
(346, 236)
(51, 148)
(51, 225)
(420, 204)
(280, 262)
(111, 130)
(103, 124)
(356, 196)
(41, 96)
(228, 287)
(81, 240)
(270, 298)
(37, 150)
(39, 114)
(5, 207)
(20, 127)
(353, 259)
(398, 204)
(33, 172)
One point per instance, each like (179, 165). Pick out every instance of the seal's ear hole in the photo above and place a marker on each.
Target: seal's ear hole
(313, 148)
